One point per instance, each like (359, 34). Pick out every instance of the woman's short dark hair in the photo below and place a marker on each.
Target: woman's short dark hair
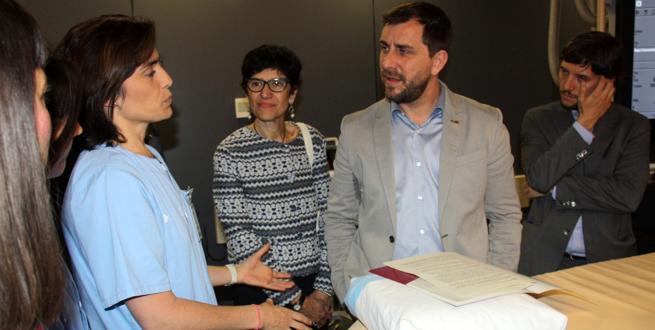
(600, 50)
(31, 281)
(275, 57)
(106, 50)
(437, 30)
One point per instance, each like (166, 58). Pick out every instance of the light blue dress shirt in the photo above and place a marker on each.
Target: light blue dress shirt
(130, 231)
(416, 151)
(576, 242)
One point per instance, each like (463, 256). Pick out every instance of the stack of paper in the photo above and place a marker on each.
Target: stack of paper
(457, 279)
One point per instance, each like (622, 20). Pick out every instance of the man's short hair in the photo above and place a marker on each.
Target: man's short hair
(599, 50)
(437, 30)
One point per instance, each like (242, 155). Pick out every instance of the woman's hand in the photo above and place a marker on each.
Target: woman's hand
(276, 317)
(318, 307)
(253, 272)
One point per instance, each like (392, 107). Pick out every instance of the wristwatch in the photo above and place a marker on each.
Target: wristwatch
(297, 306)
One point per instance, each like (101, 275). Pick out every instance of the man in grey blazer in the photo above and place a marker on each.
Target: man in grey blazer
(586, 164)
(422, 170)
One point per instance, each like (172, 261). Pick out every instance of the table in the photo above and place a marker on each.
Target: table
(615, 294)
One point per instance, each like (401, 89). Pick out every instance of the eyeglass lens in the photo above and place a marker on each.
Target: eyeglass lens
(276, 84)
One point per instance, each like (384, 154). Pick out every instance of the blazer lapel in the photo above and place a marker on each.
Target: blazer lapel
(451, 140)
(384, 156)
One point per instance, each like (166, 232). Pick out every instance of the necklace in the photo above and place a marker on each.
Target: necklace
(284, 135)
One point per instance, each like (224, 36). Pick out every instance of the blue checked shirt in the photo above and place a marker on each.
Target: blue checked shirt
(416, 151)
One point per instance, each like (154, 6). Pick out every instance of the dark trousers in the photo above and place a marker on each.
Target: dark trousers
(247, 295)
(569, 261)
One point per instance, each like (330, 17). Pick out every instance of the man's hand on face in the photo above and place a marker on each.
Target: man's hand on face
(593, 104)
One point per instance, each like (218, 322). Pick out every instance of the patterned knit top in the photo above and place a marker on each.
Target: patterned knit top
(265, 190)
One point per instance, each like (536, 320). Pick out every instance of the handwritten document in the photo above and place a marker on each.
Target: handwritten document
(460, 280)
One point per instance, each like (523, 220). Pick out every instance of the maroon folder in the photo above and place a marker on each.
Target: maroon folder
(394, 274)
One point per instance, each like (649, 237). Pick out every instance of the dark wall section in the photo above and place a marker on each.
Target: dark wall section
(498, 57)
(57, 16)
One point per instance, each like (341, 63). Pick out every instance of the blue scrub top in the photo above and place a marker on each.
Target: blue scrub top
(130, 231)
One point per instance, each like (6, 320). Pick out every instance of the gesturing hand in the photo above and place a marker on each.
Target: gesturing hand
(275, 317)
(254, 272)
(593, 104)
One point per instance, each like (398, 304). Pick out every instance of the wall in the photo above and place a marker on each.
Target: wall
(498, 57)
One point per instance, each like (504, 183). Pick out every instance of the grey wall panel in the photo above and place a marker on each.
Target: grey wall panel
(203, 44)
(56, 17)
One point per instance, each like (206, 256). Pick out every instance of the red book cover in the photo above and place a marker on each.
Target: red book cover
(394, 274)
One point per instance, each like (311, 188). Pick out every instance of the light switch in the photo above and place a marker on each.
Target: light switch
(241, 107)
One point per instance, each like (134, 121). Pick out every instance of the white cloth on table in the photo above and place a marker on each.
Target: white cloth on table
(380, 303)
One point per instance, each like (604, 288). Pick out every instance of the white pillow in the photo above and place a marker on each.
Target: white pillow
(380, 303)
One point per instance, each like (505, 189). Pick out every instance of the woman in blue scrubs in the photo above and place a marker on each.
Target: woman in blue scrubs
(131, 231)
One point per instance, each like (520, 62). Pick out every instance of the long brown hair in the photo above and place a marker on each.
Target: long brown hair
(31, 281)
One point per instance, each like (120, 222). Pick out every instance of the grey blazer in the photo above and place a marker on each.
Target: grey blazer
(476, 183)
(604, 182)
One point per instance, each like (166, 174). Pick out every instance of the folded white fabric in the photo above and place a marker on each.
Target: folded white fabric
(380, 304)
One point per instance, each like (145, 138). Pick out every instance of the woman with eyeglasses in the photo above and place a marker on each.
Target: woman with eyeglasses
(270, 186)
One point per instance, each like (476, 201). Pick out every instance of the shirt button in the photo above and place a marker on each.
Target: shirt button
(391, 239)
(422, 232)
(420, 197)
(418, 164)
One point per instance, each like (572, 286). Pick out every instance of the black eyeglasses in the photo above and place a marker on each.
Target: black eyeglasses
(276, 84)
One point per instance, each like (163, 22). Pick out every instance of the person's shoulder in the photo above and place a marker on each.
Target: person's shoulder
(236, 139)
(544, 110)
(365, 115)
(313, 131)
(104, 160)
(471, 107)
(103, 156)
(628, 114)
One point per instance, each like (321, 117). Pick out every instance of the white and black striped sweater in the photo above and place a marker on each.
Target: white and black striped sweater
(264, 190)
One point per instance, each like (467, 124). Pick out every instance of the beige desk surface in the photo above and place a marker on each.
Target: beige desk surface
(615, 294)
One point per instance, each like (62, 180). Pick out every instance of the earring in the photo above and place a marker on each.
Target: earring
(292, 111)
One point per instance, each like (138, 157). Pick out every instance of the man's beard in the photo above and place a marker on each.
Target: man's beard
(573, 106)
(413, 89)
